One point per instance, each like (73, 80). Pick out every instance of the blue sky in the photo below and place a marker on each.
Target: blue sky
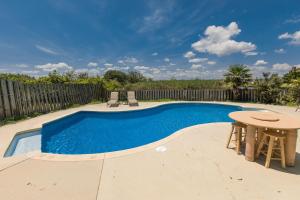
(162, 39)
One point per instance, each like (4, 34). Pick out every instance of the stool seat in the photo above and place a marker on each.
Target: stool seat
(274, 133)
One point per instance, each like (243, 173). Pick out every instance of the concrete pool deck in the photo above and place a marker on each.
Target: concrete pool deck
(193, 164)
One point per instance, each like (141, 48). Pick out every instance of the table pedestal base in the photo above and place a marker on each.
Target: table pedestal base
(290, 147)
(250, 143)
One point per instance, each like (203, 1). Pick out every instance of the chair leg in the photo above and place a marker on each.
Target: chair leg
(238, 140)
(261, 144)
(270, 151)
(230, 136)
(282, 152)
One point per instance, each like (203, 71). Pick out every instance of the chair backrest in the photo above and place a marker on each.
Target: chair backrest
(130, 95)
(114, 95)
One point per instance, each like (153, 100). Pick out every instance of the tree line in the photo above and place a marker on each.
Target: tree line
(269, 86)
(237, 77)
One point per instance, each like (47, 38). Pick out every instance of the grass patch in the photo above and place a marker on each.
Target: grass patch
(13, 120)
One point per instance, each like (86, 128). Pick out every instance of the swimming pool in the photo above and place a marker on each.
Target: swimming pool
(98, 132)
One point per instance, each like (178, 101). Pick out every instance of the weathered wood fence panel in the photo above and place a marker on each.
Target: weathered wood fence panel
(246, 95)
(19, 99)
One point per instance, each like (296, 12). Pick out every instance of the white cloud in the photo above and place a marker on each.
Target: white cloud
(294, 37)
(155, 70)
(258, 70)
(22, 65)
(131, 60)
(251, 53)
(128, 60)
(81, 70)
(141, 68)
(154, 54)
(211, 62)
(218, 41)
(91, 72)
(156, 16)
(46, 50)
(294, 20)
(196, 66)
(54, 66)
(198, 72)
(30, 72)
(281, 67)
(108, 65)
(92, 64)
(148, 71)
(172, 64)
(167, 59)
(198, 60)
(280, 51)
(260, 62)
(153, 21)
(3, 69)
(189, 54)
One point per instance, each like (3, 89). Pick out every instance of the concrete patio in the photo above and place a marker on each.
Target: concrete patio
(191, 164)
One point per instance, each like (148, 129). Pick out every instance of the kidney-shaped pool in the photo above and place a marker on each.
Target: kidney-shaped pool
(98, 132)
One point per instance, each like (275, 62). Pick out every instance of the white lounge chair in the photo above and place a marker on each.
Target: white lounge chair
(114, 98)
(131, 99)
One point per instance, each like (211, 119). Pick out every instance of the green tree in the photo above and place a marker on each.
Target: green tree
(294, 90)
(237, 76)
(292, 85)
(116, 75)
(291, 75)
(269, 88)
(53, 77)
(70, 76)
(17, 77)
(112, 85)
(135, 77)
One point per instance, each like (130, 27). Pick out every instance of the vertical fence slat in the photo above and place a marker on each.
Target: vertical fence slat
(2, 114)
(5, 98)
(12, 98)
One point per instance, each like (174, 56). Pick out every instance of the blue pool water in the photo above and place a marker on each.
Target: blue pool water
(98, 132)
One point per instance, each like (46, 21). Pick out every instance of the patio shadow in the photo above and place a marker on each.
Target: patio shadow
(275, 164)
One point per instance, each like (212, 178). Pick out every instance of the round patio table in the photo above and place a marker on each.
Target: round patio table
(257, 120)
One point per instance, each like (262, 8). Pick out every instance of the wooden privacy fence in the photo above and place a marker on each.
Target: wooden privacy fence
(18, 99)
(247, 95)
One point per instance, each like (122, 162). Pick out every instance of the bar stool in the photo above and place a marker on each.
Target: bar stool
(275, 142)
(240, 135)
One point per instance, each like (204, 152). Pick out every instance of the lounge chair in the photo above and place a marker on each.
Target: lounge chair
(114, 97)
(131, 99)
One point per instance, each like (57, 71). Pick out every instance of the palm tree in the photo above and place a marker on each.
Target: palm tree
(237, 76)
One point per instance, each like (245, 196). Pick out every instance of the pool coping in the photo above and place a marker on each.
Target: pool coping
(82, 157)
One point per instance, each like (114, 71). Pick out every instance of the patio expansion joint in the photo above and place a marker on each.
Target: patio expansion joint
(1, 170)
(99, 183)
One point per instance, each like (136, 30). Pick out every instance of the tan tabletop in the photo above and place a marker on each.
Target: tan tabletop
(257, 121)
(276, 121)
